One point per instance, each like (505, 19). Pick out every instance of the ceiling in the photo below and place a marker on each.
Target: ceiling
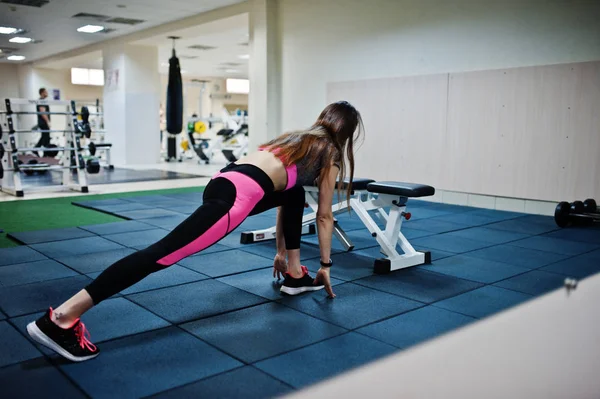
(228, 36)
(53, 23)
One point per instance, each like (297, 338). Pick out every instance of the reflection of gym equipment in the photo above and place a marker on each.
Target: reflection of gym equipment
(72, 159)
(368, 195)
(576, 213)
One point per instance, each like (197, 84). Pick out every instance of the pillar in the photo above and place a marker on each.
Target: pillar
(264, 99)
(131, 103)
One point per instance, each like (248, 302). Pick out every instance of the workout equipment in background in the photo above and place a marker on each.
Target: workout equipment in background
(14, 159)
(232, 141)
(174, 106)
(576, 213)
(368, 195)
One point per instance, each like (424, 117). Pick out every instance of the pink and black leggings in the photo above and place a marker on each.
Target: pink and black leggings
(237, 192)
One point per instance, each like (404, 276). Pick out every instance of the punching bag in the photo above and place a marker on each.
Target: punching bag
(174, 97)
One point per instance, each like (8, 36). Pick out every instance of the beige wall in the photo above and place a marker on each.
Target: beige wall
(530, 132)
(9, 80)
(342, 40)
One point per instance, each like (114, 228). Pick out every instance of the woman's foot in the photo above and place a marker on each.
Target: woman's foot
(295, 286)
(71, 343)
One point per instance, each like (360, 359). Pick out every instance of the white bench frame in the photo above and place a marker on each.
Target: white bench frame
(361, 202)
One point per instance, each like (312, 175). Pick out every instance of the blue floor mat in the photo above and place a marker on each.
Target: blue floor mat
(487, 235)
(483, 301)
(218, 265)
(517, 256)
(578, 267)
(483, 262)
(172, 276)
(14, 348)
(115, 318)
(355, 306)
(79, 246)
(263, 331)
(166, 222)
(415, 327)
(137, 238)
(262, 283)
(116, 227)
(39, 236)
(324, 360)
(449, 243)
(209, 298)
(556, 245)
(589, 235)
(95, 262)
(474, 269)
(34, 379)
(535, 282)
(246, 382)
(33, 272)
(23, 254)
(419, 284)
(146, 214)
(37, 297)
(169, 358)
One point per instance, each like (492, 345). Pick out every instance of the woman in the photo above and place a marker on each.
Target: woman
(272, 177)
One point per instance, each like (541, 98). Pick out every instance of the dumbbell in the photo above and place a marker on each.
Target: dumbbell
(576, 213)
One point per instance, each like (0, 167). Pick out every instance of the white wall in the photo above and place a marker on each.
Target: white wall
(339, 40)
(9, 81)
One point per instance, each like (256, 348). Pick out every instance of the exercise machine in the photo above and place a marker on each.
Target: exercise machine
(367, 196)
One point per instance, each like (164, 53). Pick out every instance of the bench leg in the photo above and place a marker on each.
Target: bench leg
(390, 237)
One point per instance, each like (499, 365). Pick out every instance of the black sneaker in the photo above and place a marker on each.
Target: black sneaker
(295, 286)
(71, 343)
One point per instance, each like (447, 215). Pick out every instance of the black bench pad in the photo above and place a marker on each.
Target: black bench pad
(357, 184)
(409, 190)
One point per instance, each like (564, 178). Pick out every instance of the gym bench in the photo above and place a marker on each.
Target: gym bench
(367, 195)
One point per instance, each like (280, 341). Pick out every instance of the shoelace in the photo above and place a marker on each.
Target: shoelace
(83, 336)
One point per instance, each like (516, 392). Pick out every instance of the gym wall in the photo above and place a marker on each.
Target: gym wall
(529, 132)
(351, 40)
(9, 80)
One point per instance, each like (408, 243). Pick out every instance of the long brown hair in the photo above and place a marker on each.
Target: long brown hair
(337, 128)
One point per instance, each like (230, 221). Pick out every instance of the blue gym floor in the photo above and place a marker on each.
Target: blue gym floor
(215, 325)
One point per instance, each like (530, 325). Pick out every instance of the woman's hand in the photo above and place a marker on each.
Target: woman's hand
(279, 265)
(323, 278)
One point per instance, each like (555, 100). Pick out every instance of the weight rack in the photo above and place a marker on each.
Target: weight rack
(10, 182)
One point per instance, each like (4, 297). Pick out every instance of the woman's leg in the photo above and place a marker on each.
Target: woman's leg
(291, 209)
(203, 228)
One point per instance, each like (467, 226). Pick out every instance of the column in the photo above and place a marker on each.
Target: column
(131, 103)
(264, 99)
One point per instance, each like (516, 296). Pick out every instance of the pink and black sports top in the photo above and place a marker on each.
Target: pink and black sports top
(304, 172)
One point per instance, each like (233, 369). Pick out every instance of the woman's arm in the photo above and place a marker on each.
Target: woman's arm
(325, 214)
(279, 237)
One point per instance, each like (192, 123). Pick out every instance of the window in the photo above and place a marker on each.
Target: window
(83, 76)
(239, 86)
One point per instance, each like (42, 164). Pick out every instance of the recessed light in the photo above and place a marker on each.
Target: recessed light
(7, 31)
(231, 71)
(90, 29)
(183, 71)
(15, 58)
(21, 40)
(244, 56)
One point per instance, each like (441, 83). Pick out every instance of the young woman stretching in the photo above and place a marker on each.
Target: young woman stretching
(272, 177)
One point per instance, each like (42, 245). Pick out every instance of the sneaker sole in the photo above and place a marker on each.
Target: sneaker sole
(299, 290)
(37, 334)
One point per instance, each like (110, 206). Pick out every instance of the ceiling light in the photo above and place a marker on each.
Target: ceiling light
(164, 64)
(244, 56)
(231, 71)
(15, 58)
(183, 71)
(21, 40)
(90, 29)
(7, 31)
